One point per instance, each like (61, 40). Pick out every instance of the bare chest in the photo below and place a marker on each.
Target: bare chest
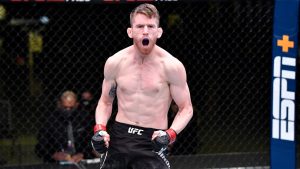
(144, 79)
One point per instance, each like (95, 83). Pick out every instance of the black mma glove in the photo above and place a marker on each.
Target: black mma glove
(97, 141)
(164, 139)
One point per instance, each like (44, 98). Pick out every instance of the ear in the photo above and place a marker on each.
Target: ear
(160, 32)
(129, 32)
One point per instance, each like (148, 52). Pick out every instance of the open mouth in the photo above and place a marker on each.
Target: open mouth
(145, 41)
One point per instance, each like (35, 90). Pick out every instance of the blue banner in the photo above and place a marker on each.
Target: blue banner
(285, 51)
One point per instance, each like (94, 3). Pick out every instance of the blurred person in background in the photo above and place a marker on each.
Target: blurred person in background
(63, 135)
(88, 104)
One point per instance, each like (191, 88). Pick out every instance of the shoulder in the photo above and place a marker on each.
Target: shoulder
(170, 62)
(113, 62)
(174, 64)
(175, 70)
(115, 59)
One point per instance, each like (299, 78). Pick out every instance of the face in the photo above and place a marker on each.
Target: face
(68, 103)
(87, 96)
(144, 32)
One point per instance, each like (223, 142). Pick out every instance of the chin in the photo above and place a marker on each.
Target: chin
(145, 49)
(145, 52)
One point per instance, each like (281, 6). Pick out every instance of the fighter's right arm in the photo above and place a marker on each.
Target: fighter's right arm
(109, 87)
(100, 140)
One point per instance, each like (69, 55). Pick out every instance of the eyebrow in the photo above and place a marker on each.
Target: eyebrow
(145, 24)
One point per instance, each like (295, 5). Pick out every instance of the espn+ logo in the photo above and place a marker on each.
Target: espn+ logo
(283, 117)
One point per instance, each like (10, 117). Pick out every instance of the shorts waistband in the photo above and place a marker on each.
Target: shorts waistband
(133, 129)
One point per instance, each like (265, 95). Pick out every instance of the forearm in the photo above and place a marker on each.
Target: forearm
(182, 118)
(162, 139)
(103, 113)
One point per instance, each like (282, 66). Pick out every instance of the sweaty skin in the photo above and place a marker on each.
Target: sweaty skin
(145, 79)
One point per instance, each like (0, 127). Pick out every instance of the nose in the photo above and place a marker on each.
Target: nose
(145, 30)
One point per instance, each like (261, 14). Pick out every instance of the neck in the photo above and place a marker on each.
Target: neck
(142, 56)
(144, 51)
(141, 59)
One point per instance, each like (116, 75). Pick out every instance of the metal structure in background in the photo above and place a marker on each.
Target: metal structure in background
(226, 47)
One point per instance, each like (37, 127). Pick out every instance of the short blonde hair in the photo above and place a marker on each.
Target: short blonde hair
(147, 9)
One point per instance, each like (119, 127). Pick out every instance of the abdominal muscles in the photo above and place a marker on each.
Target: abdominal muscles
(143, 103)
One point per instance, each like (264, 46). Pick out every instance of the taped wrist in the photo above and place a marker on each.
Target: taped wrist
(172, 135)
(97, 141)
(99, 127)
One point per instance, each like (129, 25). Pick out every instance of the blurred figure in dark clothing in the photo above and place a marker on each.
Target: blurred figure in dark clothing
(64, 136)
(87, 103)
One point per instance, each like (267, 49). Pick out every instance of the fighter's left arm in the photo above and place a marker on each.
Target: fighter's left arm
(181, 95)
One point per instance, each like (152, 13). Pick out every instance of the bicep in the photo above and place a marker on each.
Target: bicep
(180, 94)
(178, 86)
(109, 88)
(109, 85)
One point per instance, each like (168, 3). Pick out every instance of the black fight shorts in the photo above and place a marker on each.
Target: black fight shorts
(130, 147)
